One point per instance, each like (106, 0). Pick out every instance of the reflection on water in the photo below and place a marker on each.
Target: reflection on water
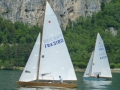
(8, 82)
(87, 85)
(44, 88)
(97, 84)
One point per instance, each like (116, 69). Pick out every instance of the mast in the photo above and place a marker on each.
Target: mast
(40, 54)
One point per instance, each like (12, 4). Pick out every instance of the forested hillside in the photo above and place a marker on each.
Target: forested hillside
(81, 35)
(17, 40)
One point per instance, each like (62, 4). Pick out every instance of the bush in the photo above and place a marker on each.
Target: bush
(82, 65)
(112, 65)
(117, 65)
(75, 64)
(1, 62)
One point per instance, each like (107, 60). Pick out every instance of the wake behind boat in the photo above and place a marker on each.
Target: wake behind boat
(49, 58)
(98, 66)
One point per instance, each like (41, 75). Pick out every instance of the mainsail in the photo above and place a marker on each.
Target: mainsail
(100, 60)
(55, 60)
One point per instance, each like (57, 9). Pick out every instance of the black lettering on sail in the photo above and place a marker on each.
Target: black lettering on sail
(45, 74)
(26, 71)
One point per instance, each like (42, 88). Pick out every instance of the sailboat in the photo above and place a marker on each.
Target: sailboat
(49, 58)
(98, 67)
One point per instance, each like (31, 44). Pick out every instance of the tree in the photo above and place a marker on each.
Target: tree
(7, 64)
(1, 63)
(112, 65)
(22, 40)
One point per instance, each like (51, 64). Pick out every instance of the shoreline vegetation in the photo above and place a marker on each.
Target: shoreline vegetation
(79, 35)
(115, 70)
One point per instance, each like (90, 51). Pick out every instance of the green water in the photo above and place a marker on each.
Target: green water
(8, 80)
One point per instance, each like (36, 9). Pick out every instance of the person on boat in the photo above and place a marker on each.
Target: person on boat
(61, 80)
(49, 81)
(98, 76)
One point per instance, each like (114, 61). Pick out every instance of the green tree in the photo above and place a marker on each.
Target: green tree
(1, 63)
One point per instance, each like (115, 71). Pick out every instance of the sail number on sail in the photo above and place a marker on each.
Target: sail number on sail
(101, 48)
(52, 41)
(103, 57)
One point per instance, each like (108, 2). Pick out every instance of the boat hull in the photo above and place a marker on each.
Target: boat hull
(96, 79)
(41, 84)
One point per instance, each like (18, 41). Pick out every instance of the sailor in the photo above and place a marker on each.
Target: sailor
(61, 80)
(98, 76)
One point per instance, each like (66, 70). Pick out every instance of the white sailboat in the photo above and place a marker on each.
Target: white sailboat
(98, 63)
(49, 58)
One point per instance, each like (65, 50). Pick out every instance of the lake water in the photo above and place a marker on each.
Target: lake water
(8, 80)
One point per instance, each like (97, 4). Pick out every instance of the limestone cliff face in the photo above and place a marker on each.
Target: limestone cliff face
(31, 11)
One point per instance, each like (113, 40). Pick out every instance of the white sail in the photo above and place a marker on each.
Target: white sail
(30, 70)
(55, 60)
(100, 60)
(87, 72)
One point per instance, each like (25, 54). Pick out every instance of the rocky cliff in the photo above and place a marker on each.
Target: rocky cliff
(31, 11)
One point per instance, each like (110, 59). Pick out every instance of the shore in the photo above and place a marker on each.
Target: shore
(115, 70)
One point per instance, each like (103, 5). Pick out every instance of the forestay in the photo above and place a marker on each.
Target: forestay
(55, 60)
